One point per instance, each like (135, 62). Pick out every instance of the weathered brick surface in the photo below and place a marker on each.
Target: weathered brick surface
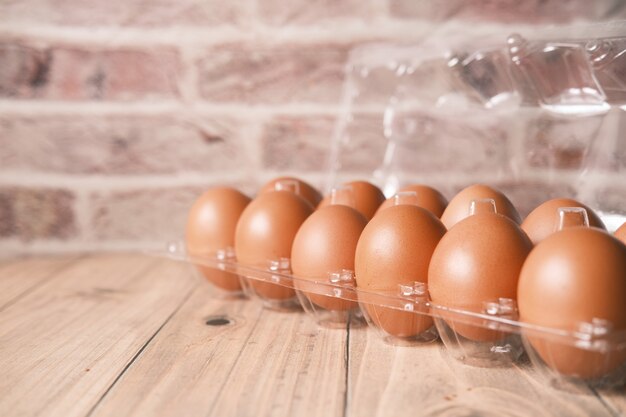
(36, 213)
(141, 214)
(7, 215)
(23, 70)
(532, 11)
(304, 144)
(277, 12)
(300, 143)
(122, 145)
(71, 73)
(262, 75)
(156, 13)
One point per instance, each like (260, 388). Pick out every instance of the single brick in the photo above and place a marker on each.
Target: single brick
(141, 214)
(302, 12)
(300, 143)
(122, 145)
(528, 11)
(67, 73)
(36, 213)
(285, 74)
(129, 13)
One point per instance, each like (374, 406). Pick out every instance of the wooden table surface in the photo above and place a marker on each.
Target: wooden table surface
(127, 334)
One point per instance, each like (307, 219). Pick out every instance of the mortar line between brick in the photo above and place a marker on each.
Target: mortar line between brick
(172, 180)
(172, 107)
(347, 32)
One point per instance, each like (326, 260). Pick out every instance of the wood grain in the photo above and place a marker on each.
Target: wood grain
(66, 342)
(18, 277)
(263, 363)
(288, 367)
(184, 368)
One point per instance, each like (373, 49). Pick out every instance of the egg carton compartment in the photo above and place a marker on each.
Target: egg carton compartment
(490, 335)
(405, 325)
(331, 311)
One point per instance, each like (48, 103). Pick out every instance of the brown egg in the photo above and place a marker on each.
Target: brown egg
(303, 189)
(367, 198)
(265, 233)
(325, 244)
(544, 220)
(423, 196)
(395, 248)
(621, 233)
(575, 276)
(477, 261)
(211, 227)
(458, 208)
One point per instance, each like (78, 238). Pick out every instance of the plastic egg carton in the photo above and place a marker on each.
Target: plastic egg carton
(477, 88)
(487, 336)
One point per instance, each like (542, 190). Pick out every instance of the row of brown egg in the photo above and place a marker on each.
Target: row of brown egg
(473, 250)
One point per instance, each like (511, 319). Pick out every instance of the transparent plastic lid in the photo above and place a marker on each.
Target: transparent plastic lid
(538, 116)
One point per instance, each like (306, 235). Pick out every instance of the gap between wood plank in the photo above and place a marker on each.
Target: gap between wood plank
(245, 342)
(347, 366)
(139, 352)
(607, 405)
(44, 279)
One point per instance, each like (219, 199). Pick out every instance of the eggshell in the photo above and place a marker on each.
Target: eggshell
(265, 232)
(620, 233)
(211, 227)
(458, 208)
(477, 261)
(395, 248)
(326, 243)
(544, 220)
(367, 198)
(425, 197)
(305, 190)
(571, 277)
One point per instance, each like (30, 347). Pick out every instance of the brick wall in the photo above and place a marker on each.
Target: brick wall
(115, 114)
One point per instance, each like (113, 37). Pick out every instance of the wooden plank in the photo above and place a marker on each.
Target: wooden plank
(18, 277)
(66, 342)
(425, 380)
(614, 398)
(265, 363)
(183, 369)
(288, 367)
